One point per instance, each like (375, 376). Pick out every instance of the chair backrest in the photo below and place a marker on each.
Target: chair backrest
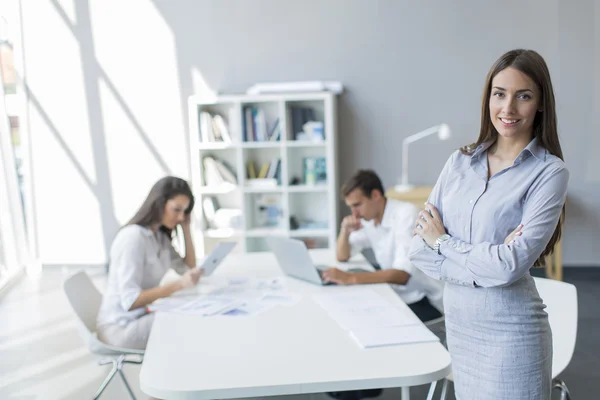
(84, 298)
(561, 301)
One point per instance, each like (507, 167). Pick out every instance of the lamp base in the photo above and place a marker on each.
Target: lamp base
(404, 188)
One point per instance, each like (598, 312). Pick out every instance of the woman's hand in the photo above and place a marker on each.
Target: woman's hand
(190, 278)
(429, 224)
(187, 220)
(510, 239)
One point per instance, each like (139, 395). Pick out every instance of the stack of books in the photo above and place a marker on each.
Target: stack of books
(255, 127)
(269, 171)
(213, 128)
(217, 172)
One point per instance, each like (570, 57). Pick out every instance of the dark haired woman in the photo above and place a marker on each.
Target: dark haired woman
(140, 255)
(494, 213)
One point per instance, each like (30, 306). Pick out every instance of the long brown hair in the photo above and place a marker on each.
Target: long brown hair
(545, 130)
(153, 208)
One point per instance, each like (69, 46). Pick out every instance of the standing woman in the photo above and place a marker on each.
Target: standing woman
(494, 213)
(140, 256)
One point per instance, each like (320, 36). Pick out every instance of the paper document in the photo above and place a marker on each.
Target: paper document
(371, 320)
(209, 305)
(285, 299)
(374, 317)
(362, 308)
(240, 297)
(392, 335)
(170, 303)
(248, 309)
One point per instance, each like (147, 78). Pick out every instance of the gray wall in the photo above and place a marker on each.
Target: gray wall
(405, 65)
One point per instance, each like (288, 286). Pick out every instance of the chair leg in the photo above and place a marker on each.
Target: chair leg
(120, 361)
(405, 393)
(127, 384)
(108, 378)
(444, 389)
(431, 390)
(562, 386)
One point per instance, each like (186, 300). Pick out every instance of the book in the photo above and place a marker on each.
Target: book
(212, 176)
(274, 132)
(209, 207)
(251, 170)
(226, 172)
(261, 126)
(219, 122)
(271, 174)
(205, 127)
(248, 125)
(263, 171)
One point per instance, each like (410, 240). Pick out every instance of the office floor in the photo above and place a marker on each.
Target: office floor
(42, 356)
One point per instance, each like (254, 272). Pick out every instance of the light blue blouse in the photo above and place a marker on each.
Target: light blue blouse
(479, 213)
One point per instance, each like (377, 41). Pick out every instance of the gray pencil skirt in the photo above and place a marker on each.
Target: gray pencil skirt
(500, 342)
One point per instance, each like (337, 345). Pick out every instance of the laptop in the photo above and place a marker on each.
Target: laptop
(216, 256)
(294, 259)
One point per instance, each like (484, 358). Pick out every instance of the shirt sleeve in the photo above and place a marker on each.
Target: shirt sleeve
(358, 241)
(423, 257)
(128, 260)
(502, 264)
(177, 262)
(404, 222)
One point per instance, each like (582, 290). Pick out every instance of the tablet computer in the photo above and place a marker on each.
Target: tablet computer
(215, 257)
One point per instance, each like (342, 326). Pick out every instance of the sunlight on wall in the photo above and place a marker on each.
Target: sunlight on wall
(68, 7)
(69, 225)
(141, 103)
(132, 167)
(201, 87)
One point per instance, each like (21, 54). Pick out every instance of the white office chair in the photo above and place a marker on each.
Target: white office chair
(561, 301)
(85, 300)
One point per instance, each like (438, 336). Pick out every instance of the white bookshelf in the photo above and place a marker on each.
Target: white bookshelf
(314, 206)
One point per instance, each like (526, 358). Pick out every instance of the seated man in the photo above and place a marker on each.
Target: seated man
(385, 226)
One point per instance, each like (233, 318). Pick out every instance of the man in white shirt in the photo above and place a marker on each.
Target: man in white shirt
(384, 225)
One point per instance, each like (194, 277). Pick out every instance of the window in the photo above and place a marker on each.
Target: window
(14, 253)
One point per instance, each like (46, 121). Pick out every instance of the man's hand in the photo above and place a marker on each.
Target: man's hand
(510, 239)
(429, 224)
(338, 276)
(351, 224)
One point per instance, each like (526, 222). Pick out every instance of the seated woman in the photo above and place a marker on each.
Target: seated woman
(140, 255)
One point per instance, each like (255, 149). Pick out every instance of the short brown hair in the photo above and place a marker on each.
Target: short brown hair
(365, 180)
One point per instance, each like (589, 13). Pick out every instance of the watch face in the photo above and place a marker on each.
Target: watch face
(444, 237)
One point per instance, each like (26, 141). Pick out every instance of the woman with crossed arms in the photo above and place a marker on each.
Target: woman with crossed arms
(513, 176)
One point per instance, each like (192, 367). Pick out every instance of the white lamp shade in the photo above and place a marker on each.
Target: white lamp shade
(444, 132)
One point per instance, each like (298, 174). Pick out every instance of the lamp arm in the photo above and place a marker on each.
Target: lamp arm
(409, 140)
(404, 177)
(422, 134)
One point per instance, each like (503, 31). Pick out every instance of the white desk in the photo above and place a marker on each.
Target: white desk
(285, 350)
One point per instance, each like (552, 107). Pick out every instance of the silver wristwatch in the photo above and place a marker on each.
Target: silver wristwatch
(439, 241)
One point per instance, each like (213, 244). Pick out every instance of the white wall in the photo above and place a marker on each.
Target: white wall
(109, 82)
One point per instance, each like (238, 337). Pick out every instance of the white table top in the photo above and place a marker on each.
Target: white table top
(285, 350)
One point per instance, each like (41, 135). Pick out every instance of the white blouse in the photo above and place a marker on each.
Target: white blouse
(139, 258)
